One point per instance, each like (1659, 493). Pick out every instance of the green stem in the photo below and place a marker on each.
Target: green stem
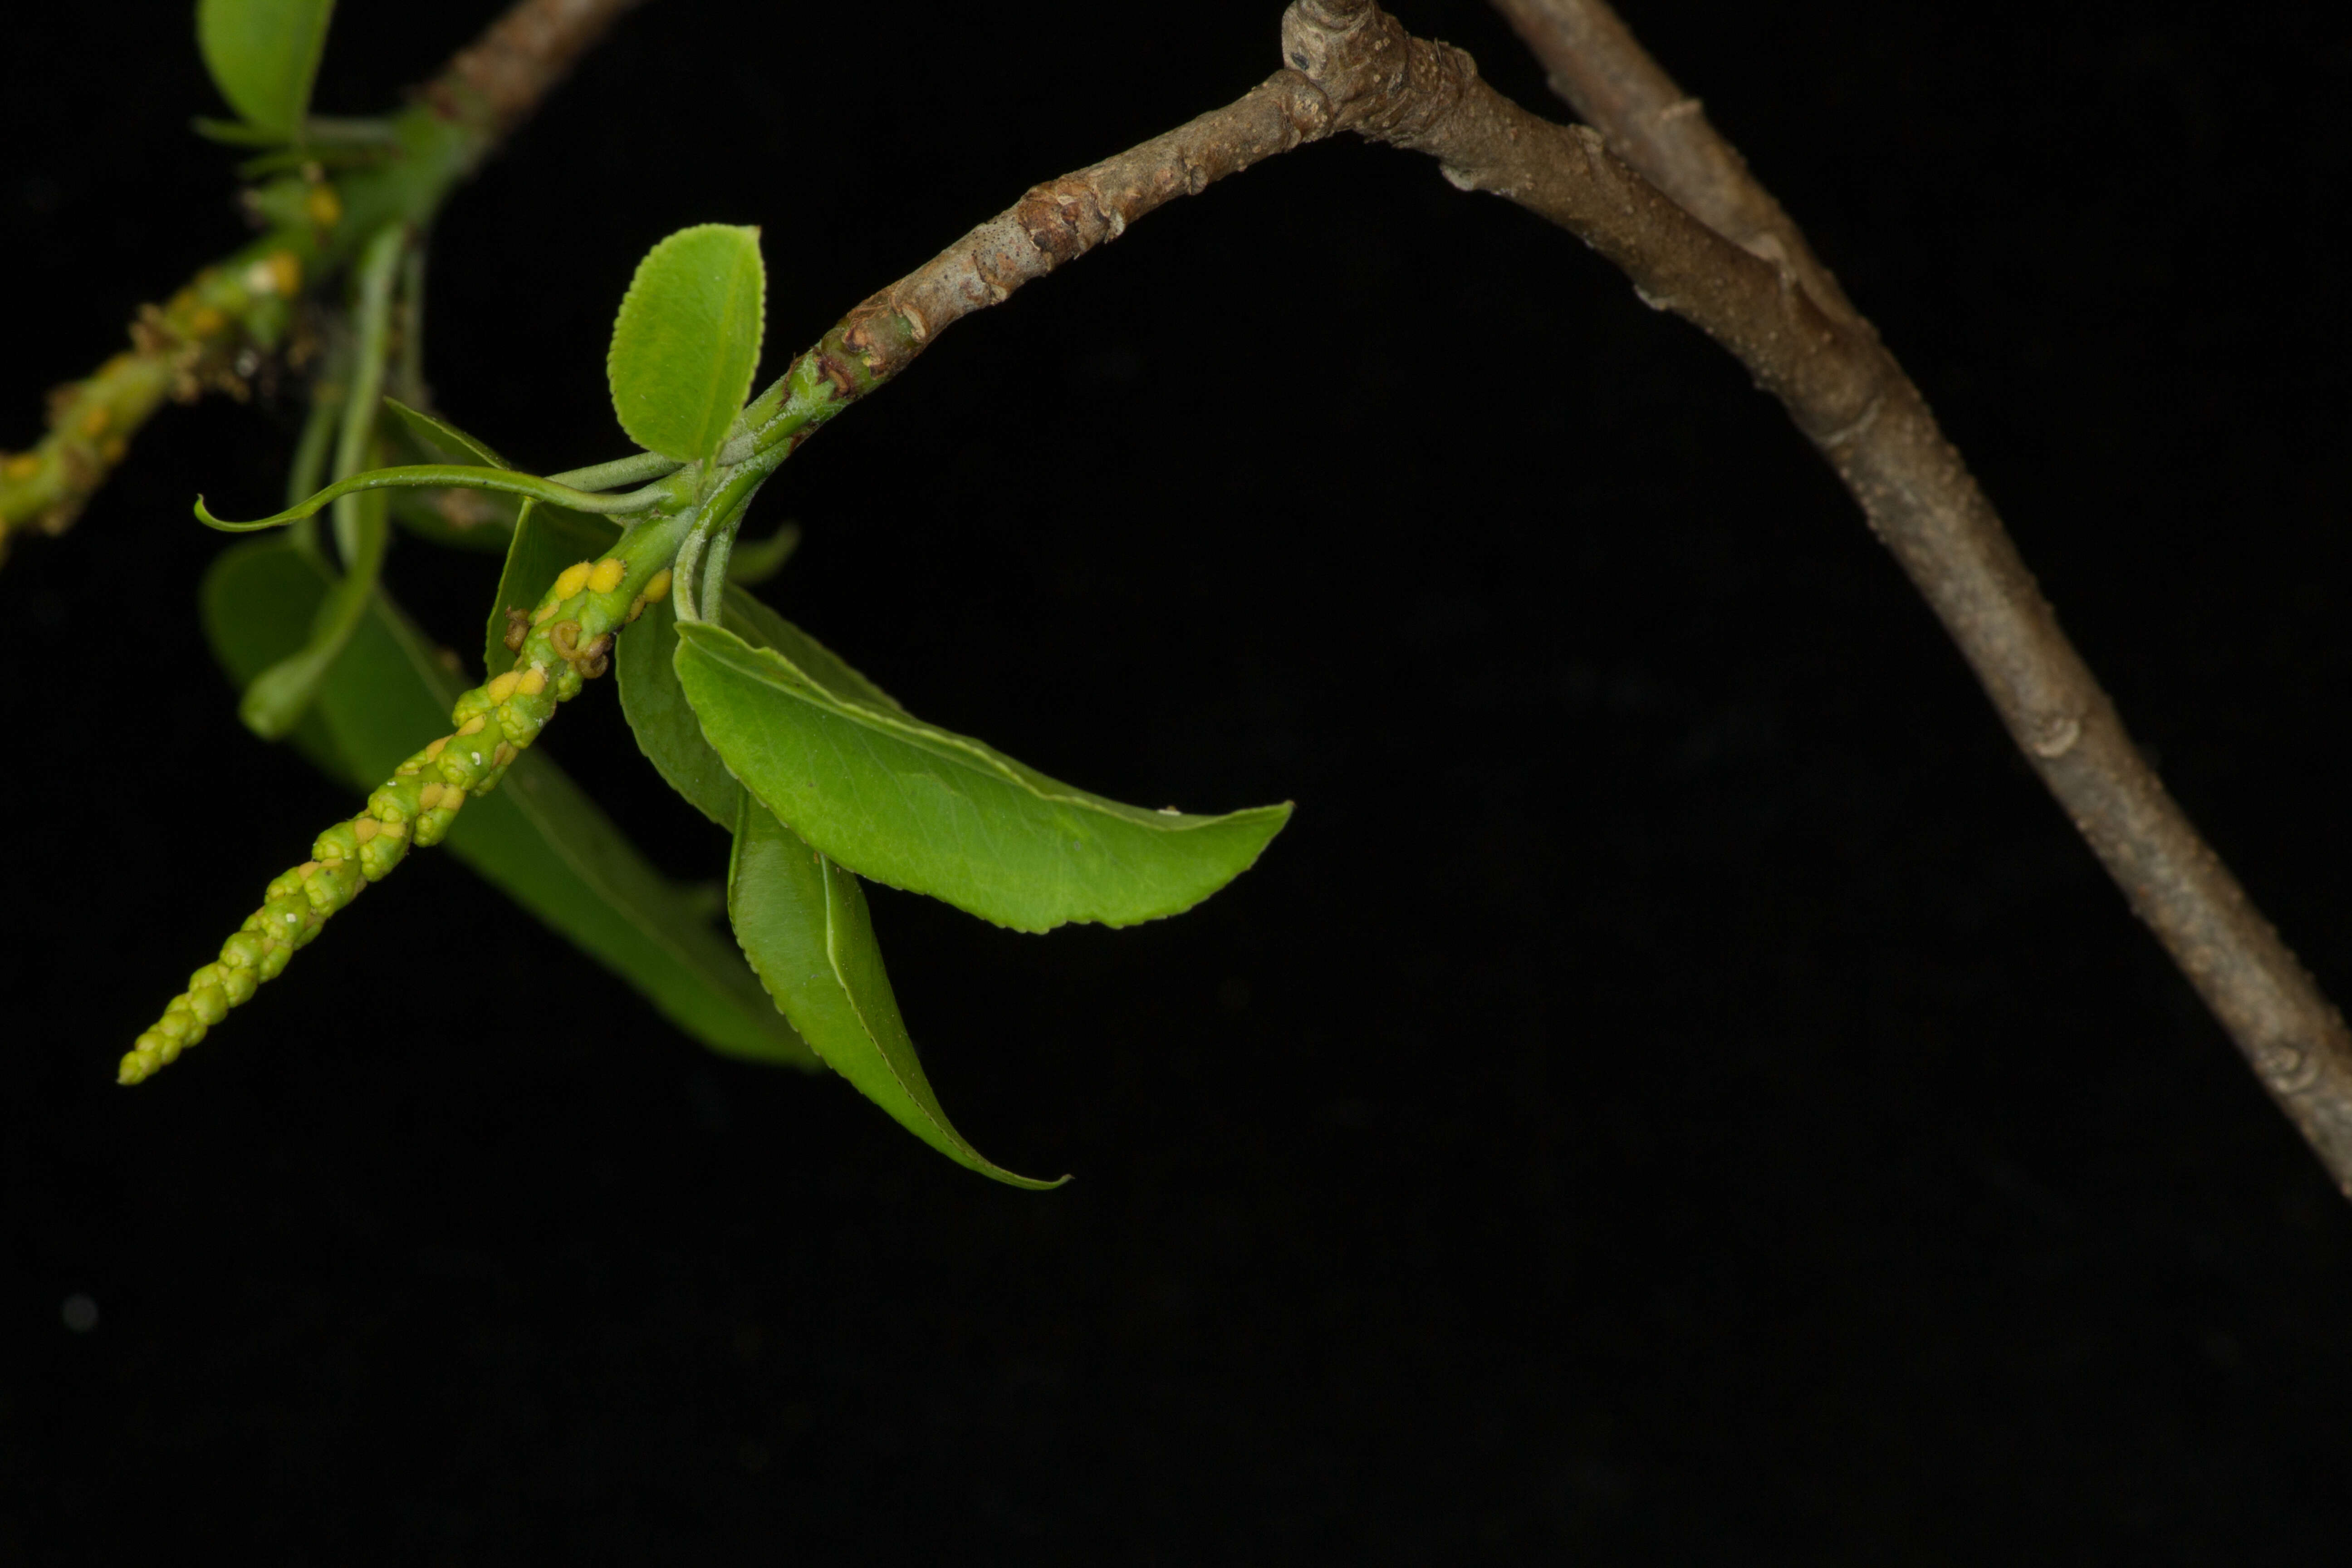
(619, 472)
(279, 697)
(378, 264)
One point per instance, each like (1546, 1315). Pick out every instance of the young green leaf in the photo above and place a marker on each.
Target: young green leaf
(538, 837)
(666, 729)
(263, 56)
(687, 341)
(804, 923)
(903, 803)
(546, 540)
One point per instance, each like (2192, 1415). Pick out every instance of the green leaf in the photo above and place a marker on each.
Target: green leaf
(485, 525)
(538, 837)
(804, 923)
(263, 56)
(753, 564)
(258, 601)
(439, 440)
(275, 699)
(664, 722)
(546, 540)
(687, 341)
(454, 519)
(902, 803)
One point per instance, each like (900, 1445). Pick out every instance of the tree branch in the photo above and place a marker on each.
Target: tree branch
(1596, 64)
(522, 56)
(1063, 219)
(210, 334)
(1746, 279)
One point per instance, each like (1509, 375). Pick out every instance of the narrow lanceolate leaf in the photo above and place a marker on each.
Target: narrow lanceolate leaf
(687, 341)
(441, 441)
(664, 722)
(538, 837)
(803, 924)
(263, 56)
(546, 540)
(275, 699)
(904, 803)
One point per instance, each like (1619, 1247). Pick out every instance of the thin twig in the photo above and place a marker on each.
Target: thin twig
(1752, 286)
(1063, 219)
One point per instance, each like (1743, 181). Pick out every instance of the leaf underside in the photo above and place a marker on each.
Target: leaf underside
(663, 721)
(804, 923)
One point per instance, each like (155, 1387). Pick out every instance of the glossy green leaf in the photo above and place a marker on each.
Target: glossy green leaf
(263, 56)
(903, 803)
(687, 341)
(804, 923)
(546, 540)
(538, 837)
(664, 722)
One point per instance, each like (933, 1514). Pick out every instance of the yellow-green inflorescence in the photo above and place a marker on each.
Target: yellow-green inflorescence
(568, 641)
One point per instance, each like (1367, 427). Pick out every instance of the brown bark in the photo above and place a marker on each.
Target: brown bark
(502, 74)
(1752, 286)
(1063, 219)
(1598, 67)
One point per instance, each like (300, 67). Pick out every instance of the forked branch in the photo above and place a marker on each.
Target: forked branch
(210, 334)
(1729, 260)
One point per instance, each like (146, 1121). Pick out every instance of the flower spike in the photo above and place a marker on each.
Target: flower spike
(569, 642)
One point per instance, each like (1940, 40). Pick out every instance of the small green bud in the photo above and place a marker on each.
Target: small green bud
(286, 913)
(520, 721)
(239, 986)
(338, 842)
(210, 1005)
(244, 950)
(380, 854)
(395, 802)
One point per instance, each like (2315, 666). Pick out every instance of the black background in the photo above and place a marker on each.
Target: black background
(1677, 1091)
